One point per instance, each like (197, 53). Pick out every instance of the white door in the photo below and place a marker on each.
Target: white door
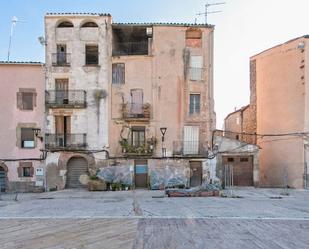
(191, 140)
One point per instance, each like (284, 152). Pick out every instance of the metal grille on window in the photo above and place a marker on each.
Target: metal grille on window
(118, 73)
(194, 103)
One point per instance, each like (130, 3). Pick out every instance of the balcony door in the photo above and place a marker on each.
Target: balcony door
(137, 101)
(63, 130)
(61, 54)
(191, 140)
(62, 91)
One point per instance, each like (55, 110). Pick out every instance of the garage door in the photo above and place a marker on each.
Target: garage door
(76, 167)
(242, 169)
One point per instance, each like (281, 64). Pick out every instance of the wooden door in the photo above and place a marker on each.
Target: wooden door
(62, 91)
(141, 174)
(196, 173)
(191, 140)
(242, 168)
(2, 179)
(76, 167)
(63, 130)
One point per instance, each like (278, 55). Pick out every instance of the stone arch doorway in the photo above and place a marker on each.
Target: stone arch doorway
(3, 177)
(76, 167)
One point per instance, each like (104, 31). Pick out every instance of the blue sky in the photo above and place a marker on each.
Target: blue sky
(244, 28)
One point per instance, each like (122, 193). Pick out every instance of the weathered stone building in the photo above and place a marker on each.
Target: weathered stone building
(162, 77)
(77, 80)
(121, 86)
(22, 120)
(240, 125)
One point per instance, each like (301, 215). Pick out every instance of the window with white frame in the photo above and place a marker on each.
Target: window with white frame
(195, 103)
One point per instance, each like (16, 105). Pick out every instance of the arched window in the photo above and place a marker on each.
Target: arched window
(65, 24)
(89, 25)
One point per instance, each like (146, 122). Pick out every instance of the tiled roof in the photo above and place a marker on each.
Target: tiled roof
(21, 62)
(77, 14)
(165, 24)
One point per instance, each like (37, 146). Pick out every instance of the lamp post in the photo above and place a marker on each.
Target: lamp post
(163, 131)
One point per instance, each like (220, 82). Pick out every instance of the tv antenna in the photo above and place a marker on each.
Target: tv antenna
(13, 24)
(207, 5)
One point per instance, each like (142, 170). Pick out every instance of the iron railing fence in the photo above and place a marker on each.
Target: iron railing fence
(61, 59)
(136, 110)
(187, 148)
(66, 141)
(65, 98)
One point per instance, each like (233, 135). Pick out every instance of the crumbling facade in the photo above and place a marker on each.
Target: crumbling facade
(162, 81)
(22, 112)
(121, 87)
(77, 75)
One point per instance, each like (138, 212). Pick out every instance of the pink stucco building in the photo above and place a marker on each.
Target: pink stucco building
(22, 115)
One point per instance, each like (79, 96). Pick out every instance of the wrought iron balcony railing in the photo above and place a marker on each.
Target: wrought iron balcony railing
(66, 99)
(130, 48)
(61, 59)
(190, 148)
(136, 111)
(66, 141)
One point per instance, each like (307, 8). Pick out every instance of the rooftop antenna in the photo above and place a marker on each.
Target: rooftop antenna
(207, 5)
(13, 21)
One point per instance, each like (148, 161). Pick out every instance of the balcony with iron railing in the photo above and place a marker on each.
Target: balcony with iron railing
(190, 148)
(130, 48)
(65, 141)
(145, 148)
(136, 112)
(66, 99)
(61, 59)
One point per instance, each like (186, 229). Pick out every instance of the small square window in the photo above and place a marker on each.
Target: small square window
(26, 172)
(230, 159)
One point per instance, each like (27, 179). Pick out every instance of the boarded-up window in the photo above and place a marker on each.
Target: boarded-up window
(25, 169)
(92, 55)
(118, 73)
(195, 103)
(27, 138)
(194, 38)
(26, 99)
(196, 67)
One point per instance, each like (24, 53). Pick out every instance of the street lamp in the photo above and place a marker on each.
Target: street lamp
(163, 131)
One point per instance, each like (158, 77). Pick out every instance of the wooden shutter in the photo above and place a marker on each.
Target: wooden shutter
(31, 171)
(59, 124)
(19, 98)
(191, 140)
(137, 101)
(118, 73)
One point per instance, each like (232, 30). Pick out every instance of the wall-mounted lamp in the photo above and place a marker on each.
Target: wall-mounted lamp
(37, 131)
(163, 131)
